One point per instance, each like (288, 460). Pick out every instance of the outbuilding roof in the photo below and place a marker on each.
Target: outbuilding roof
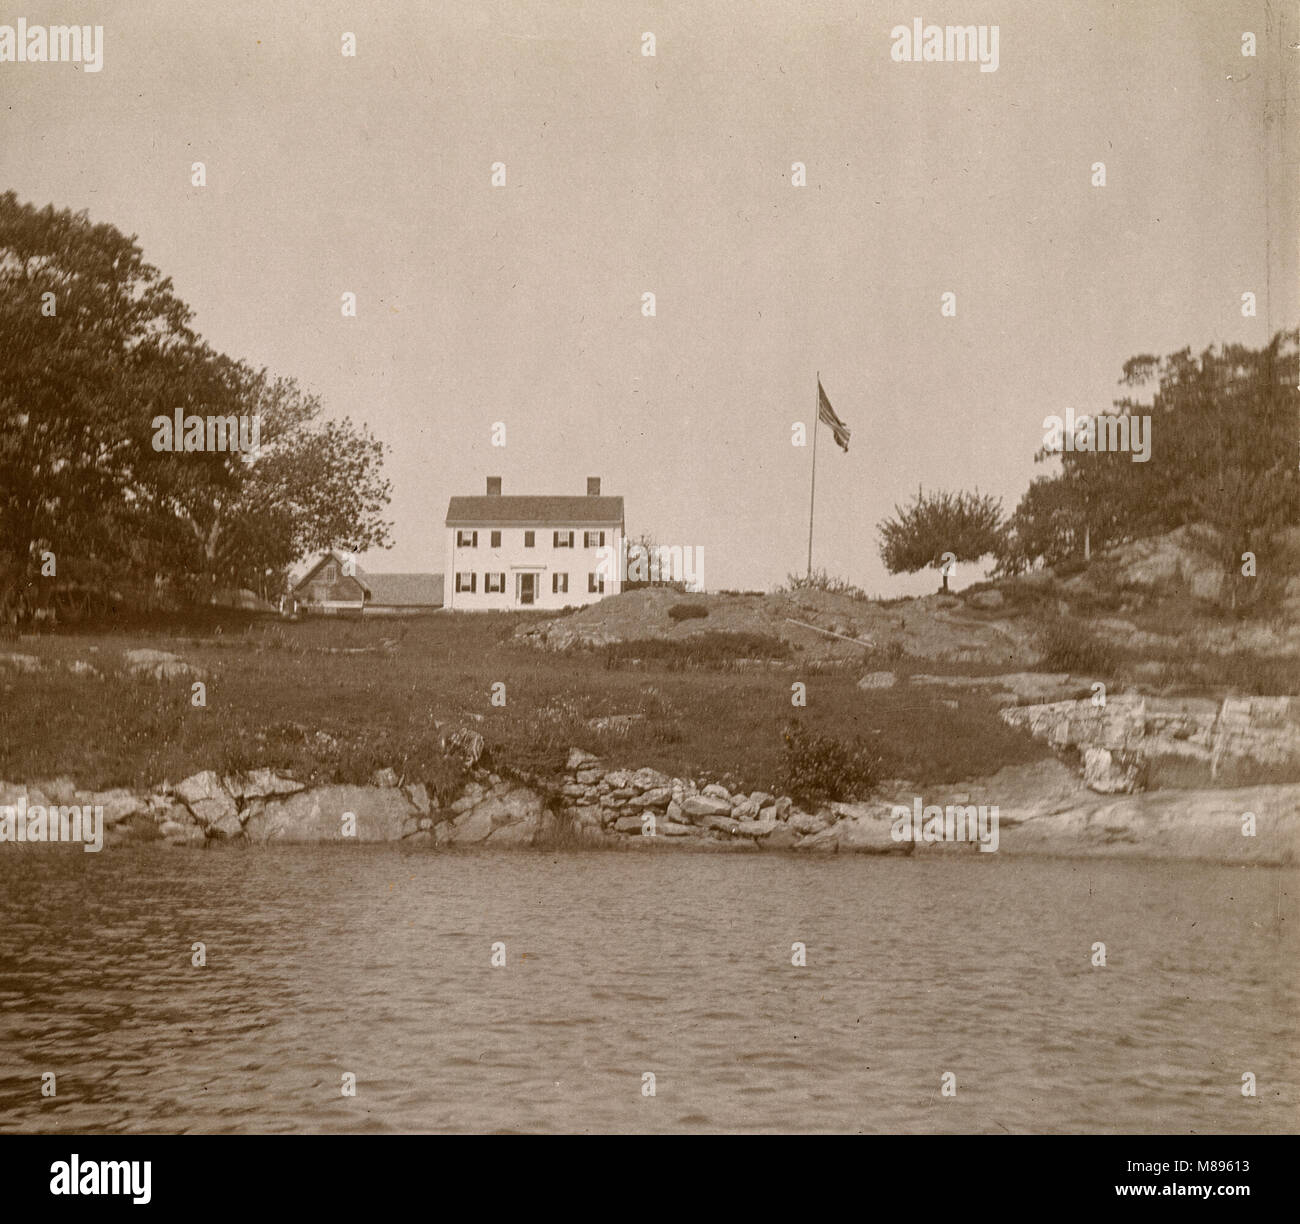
(403, 590)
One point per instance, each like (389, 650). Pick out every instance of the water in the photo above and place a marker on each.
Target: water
(376, 961)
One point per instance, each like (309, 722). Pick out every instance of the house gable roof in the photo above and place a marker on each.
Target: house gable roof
(390, 590)
(495, 510)
(325, 559)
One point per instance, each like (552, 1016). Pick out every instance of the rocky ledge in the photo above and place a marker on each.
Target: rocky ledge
(588, 805)
(1042, 809)
(1119, 740)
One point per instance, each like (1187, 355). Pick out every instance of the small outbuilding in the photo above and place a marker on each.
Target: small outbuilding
(333, 588)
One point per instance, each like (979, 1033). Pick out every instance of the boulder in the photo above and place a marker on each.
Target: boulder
(631, 824)
(159, 664)
(64, 790)
(1111, 772)
(578, 759)
(261, 784)
(518, 805)
(720, 824)
(384, 777)
(671, 828)
(382, 814)
(808, 823)
(658, 797)
(868, 832)
(758, 828)
(210, 802)
(714, 791)
(697, 807)
(471, 827)
(878, 680)
(118, 804)
(648, 779)
(512, 835)
(10, 794)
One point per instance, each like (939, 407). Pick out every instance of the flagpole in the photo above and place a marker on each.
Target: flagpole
(812, 493)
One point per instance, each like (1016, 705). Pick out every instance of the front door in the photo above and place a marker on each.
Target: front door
(527, 588)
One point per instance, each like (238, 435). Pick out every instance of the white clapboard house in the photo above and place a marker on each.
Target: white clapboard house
(532, 551)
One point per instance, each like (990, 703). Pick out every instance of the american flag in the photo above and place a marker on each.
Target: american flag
(826, 414)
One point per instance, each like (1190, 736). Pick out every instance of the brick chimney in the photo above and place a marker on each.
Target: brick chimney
(494, 486)
(593, 486)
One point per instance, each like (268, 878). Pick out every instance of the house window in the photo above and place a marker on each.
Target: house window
(467, 539)
(331, 575)
(530, 539)
(593, 539)
(496, 541)
(466, 582)
(564, 539)
(595, 584)
(559, 584)
(493, 583)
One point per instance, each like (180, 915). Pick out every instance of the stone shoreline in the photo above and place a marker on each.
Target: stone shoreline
(1041, 812)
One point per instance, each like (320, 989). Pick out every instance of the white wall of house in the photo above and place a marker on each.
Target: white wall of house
(512, 558)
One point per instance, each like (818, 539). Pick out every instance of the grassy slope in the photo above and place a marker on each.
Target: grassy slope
(276, 697)
(281, 695)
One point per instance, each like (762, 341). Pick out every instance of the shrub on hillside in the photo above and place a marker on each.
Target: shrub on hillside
(820, 580)
(1069, 645)
(818, 768)
(688, 611)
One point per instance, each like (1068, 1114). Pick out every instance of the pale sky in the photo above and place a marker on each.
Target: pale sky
(671, 174)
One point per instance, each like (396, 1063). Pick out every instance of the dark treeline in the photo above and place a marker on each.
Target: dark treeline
(94, 345)
(1220, 433)
(1225, 453)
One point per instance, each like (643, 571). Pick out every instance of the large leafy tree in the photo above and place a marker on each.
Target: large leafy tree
(86, 327)
(94, 344)
(313, 484)
(967, 525)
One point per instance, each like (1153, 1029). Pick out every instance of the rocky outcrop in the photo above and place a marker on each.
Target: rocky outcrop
(1016, 686)
(1043, 809)
(1117, 741)
(1252, 824)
